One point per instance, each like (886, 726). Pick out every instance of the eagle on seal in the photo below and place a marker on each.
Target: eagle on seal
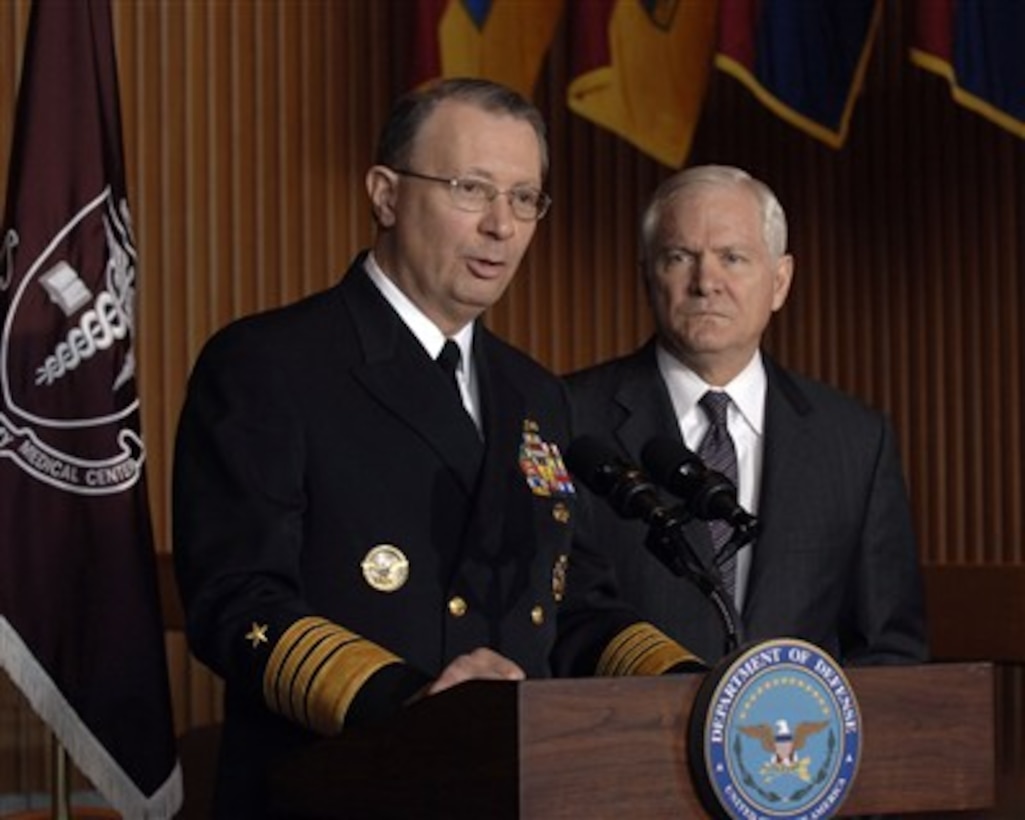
(780, 742)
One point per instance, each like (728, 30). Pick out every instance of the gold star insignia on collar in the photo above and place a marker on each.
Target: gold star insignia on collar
(257, 635)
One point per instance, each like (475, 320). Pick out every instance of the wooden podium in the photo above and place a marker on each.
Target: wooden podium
(617, 747)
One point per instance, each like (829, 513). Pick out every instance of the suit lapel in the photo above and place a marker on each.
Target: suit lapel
(644, 400)
(647, 411)
(785, 460)
(398, 372)
(497, 553)
(503, 409)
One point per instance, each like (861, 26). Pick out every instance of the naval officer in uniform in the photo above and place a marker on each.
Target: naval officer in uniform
(370, 502)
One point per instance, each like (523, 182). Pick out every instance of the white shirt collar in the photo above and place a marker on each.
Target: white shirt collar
(428, 333)
(747, 389)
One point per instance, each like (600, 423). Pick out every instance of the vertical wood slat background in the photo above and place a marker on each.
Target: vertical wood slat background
(248, 127)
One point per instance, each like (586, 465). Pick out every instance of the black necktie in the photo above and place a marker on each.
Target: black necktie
(719, 454)
(448, 360)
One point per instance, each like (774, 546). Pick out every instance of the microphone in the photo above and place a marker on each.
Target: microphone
(708, 494)
(601, 469)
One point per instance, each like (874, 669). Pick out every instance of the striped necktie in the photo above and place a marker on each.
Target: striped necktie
(719, 454)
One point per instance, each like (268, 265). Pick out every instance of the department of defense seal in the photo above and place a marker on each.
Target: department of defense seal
(775, 734)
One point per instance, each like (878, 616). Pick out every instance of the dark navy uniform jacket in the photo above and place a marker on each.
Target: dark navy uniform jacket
(341, 531)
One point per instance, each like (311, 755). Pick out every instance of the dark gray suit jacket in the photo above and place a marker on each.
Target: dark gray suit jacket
(835, 562)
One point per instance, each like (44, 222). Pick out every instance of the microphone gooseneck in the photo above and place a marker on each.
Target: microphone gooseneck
(630, 493)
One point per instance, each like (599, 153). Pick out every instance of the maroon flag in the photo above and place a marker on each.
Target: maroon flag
(425, 61)
(80, 628)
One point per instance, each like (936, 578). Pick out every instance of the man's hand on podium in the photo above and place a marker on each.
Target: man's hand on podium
(481, 664)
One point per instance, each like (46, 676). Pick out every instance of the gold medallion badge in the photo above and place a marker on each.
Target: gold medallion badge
(385, 568)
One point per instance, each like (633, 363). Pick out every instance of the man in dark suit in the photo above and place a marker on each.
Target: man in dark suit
(355, 526)
(835, 561)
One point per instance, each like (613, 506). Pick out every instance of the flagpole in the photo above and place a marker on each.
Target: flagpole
(59, 788)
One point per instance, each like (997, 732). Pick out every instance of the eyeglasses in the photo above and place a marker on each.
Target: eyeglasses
(475, 195)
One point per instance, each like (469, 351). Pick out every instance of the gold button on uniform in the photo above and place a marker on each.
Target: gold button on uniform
(457, 606)
(537, 615)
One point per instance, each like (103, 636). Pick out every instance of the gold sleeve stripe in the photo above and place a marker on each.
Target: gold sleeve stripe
(641, 649)
(298, 637)
(314, 660)
(316, 670)
(337, 690)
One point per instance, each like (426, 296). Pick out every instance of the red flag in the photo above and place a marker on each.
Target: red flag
(425, 61)
(80, 628)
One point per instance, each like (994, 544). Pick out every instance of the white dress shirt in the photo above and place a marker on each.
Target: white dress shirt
(431, 337)
(745, 420)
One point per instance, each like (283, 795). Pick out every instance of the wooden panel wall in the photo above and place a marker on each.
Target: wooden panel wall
(248, 127)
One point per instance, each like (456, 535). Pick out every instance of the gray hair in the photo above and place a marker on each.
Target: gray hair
(774, 220)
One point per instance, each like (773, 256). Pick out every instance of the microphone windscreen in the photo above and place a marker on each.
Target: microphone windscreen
(667, 460)
(593, 461)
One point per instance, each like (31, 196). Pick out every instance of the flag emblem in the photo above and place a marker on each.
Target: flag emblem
(64, 336)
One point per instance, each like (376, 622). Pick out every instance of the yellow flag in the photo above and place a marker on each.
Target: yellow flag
(502, 40)
(649, 86)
